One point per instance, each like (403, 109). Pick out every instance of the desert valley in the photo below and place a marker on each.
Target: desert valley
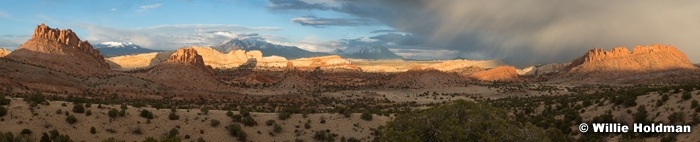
(58, 87)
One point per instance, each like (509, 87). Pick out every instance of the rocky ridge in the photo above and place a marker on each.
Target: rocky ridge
(60, 49)
(501, 73)
(642, 59)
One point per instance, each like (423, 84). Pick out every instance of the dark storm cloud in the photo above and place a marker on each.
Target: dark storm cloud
(400, 39)
(322, 22)
(539, 31)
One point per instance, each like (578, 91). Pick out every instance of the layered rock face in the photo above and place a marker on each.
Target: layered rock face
(189, 56)
(60, 49)
(184, 69)
(501, 73)
(4, 52)
(642, 59)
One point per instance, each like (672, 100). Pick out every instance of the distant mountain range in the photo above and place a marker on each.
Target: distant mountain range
(268, 49)
(111, 49)
(367, 52)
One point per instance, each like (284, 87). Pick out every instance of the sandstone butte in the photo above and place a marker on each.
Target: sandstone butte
(642, 59)
(60, 49)
(189, 56)
(184, 69)
(500, 73)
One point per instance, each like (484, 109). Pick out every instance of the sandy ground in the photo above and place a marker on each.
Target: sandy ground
(190, 123)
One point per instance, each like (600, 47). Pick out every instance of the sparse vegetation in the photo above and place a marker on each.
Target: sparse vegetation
(366, 116)
(146, 114)
(215, 123)
(173, 116)
(71, 119)
(236, 131)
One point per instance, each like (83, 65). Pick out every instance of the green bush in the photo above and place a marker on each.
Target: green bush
(229, 113)
(146, 114)
(173, 116)
(277, 128)
(3, 111)
(78, 108)
(204, 110)
(71, 119)
(284, 115)
(366, 116)
(92, 130)
(269, 122)
(245, 112)
(686, 96)
(236, 118)
(676, 118)
(249, 121)
(460, 121)
(215, 122)
(694, 104)
(236, 131)
(113, 113)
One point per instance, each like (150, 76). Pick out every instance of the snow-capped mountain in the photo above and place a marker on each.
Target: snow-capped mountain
(268, 49)
(367, 52)
(110, 49)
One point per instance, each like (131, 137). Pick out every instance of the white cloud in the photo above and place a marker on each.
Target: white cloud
(4, 14)
(149, 7)
(168, 37)
(113, 9)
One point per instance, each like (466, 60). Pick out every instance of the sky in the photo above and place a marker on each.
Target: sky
(518, 32)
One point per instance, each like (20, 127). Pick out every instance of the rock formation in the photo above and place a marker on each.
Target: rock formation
(184, 69)
(4, 52)
(501, 73)
(60, 49)
(653, 63)
(642, 59)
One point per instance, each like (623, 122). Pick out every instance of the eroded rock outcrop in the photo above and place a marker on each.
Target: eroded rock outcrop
(642, 59)
(62, 50)
(501, 73)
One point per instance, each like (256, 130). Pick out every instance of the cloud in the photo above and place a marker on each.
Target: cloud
(149, 7)
(4, 14)
(113, 9)
(295, 5)
(322, 22)
(529, 32)
(168, 37)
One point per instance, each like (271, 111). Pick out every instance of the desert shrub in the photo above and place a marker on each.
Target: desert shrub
(71, 119)
(200, 139)
(173, 133)
(641, 115)
(173, 116)
(122, 112)
(3, 111)
(44, 138)
(88, 112)
(26, 132)
(236, 118)
(146, 114)
(347, 113)
(4, 101)
(269, 122)
(249, 121)
(92, 130)
(676, 118)
(204, 110)
(323, 136)
(123, 106)
(236, 131)
(694, 104)
(99, 106)
(229, 113)
(245, 112)
(664, 97)
(686, 96)
(456, 122)
(307, 125)
(323, 120)
(215, 122)
(113, 113)
(277, 128)
(366, 116)
(78, 108)
(284, 115)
